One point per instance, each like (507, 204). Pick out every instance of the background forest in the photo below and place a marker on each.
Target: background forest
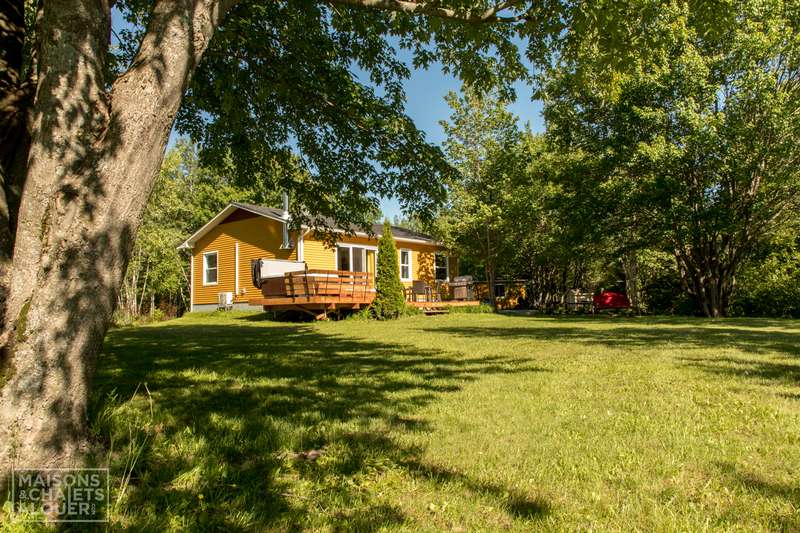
(512, 215)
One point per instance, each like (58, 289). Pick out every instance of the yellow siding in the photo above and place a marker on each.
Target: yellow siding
(257, 237)
(317, 255)
(261, 237)
(422, 261)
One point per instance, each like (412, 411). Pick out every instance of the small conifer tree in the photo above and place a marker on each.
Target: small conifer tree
(389, 300)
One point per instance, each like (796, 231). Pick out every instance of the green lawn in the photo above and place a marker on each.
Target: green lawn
(460, 422)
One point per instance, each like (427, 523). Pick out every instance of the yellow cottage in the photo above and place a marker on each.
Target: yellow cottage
(223, 252)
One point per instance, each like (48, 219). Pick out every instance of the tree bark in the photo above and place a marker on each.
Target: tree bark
(93, 161)
(630, 265)
(16, 97)
(490, 269)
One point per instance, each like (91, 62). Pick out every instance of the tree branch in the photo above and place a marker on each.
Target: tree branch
(490, 15)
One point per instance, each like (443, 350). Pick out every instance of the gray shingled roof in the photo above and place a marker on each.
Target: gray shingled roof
(377, 229)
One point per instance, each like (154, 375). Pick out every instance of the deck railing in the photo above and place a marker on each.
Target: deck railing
(342, 284)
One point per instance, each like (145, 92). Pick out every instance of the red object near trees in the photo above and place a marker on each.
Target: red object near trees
(611, 300)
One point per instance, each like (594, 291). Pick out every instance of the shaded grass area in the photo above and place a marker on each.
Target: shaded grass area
(236, 397)
(462, 422)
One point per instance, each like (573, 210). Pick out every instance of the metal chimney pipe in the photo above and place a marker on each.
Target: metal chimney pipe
(287, 244)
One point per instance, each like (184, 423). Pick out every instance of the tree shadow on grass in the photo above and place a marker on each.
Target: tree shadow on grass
(764, 370)
(516, 503)
(682, 334)
(230, 401)
(635, 334)
(782, 492)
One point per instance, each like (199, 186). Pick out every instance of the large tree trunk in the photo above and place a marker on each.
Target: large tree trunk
(709, 276)
(490, 269)
(630, 264)
(93, 160)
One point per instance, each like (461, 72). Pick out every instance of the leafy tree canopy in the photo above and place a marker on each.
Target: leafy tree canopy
(278, 78)
(694, 147)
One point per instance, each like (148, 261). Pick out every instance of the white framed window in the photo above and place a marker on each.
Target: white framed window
(405, 265)
(441, 267)
(210, 268)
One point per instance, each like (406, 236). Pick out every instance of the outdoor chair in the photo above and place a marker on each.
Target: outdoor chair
(419, 288)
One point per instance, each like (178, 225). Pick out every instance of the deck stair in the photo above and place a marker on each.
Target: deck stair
(433, 310)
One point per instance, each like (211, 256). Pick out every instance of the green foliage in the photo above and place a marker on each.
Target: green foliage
(770, 284)
(641, 97)
(693, 151)
(324, 81)
(389, 299)
(769, 289)
(361, 315)
(500, 213)
(481, 136)
(410, 310)
(660, 285)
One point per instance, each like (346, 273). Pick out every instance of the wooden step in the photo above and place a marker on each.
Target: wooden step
(445, 303)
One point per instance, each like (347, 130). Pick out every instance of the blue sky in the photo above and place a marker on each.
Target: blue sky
(425, 92)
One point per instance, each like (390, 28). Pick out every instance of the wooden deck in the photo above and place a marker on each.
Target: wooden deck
(319, 292)
(316, 292)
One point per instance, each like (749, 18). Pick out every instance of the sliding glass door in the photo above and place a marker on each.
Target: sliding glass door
(359, 260)
(343, 258)
(356, 258)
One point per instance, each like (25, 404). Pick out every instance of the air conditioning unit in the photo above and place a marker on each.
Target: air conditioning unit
(225, 300)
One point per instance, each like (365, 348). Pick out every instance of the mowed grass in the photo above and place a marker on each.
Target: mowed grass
(458, 423)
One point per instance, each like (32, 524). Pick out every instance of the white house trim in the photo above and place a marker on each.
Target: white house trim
(203, 268)
(300, 247)
(235, 268)
(191, 283)
(378, 236)
(446, 264)
(350, 247)
(356, 245)
(410, 264)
